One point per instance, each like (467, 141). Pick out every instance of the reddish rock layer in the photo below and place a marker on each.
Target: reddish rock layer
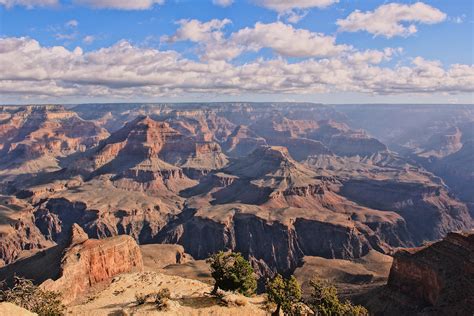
(89, 262)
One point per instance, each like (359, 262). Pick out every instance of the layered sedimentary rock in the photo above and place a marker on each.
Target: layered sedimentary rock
(19, 236)
(276, 182)
(33, 137)
(89, 262)
(437, 279)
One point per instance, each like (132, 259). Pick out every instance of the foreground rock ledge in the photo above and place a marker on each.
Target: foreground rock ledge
(88, 262)
(437, 279)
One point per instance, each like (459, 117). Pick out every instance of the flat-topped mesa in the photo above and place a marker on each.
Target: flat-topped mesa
(440, 275)
(90, 262)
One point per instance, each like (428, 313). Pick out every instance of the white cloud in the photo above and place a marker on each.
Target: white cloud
(283, 39)
(293, 11)
(372, 56)
(294, 17)
(127, 71)
(88, 39)
(223, 3)
(28, 3)
(120, 4)
(282, 6)
(391, 19)
(286, 40)
(72, 23)
(196, 31)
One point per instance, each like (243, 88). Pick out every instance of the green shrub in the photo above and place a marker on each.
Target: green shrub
(325, 302)
(285, 293)
(232, 272)
(29, 296)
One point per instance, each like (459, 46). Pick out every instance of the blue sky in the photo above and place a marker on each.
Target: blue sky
(428, 60)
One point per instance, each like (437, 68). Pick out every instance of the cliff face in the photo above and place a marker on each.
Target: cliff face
(430, 212)
(436, 274)
(88, 262)
(18, 233)
(437, 279)
(35, 132)
(300, 182)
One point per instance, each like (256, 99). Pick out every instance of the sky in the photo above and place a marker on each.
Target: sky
(322, 51)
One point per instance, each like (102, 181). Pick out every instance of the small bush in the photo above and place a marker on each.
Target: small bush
(162, 298)
(325, 302)
(29, 296)
(232, 272)
(285, 294)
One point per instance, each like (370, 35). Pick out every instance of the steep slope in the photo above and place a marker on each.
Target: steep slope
(437, 279)
(34, 137)
(86, 263)
(242, 142)
(276, 210)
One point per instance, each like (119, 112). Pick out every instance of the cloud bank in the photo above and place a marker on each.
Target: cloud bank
(127, 71)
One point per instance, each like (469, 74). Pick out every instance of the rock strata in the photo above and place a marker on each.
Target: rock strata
(90, 262)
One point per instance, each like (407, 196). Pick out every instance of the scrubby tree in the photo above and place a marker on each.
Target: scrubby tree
(232, 272)
(285, 293)
(29, 296)
(325, 302)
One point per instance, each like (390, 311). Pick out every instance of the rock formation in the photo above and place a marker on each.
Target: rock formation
(88, 262)
(277, 182)
(437, 279)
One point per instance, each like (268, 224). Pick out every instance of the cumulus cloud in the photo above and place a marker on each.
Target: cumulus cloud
(373, 56)
(197, 31)
(28, 3)
(286, 40)
(120, 4)
(391, 19)
(282, 38)
(223, 3)
(124, 70)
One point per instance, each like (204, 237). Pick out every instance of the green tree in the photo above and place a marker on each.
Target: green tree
(325, 302)
(285, 293)
(29, 296)
(232, 272)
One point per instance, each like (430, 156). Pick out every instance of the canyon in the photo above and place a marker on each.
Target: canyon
(287, 185)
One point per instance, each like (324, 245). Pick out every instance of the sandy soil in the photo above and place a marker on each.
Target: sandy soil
(188, 297)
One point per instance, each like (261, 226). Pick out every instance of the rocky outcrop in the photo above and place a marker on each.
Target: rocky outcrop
(437, 279)
(90, 262)
(435, 274)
